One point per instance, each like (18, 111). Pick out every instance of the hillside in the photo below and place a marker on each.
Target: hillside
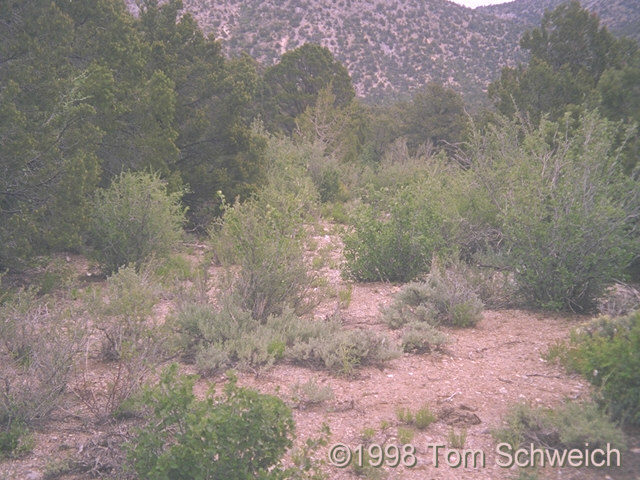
(622, 17)
(389, 47)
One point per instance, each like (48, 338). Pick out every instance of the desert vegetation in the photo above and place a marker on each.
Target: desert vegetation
(200, 261)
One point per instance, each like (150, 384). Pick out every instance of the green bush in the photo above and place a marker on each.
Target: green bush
(129, 337)
(607, 353)
(395, 244)
(565, 205)
(239, 435)
(410, 305)
(569, 426)
(264, 236)
(133, 219)
(421, 418)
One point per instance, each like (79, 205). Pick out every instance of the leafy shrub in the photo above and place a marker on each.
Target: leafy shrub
(565, 206)
(134, 218)
(238, 435)
(264, 236)
(606, 353)
(396, 244)
(569, 426)
(393, 247)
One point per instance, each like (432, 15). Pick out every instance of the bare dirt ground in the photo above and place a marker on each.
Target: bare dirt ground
(470, 386)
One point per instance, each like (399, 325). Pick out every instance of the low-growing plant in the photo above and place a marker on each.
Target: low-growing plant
(421, 418)
(57, 275)
(344, 296)
(424, 417)
(368, 433)
(420, 337)
(457, 440)
(231, 337)
(311, 393)
(342, 351)
(134, 218)
(238, 435)
(121, 315)
(571, 425)
(444, 297)
(405, 435)
(410, 305)
(605, 351)
(15, 440)
(38, 344)
(453, 299)
(404, 415)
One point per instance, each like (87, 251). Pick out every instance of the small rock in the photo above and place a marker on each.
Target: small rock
(33, 476)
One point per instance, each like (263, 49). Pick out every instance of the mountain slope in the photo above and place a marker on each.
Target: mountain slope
(389, 47)
(622, 17)
(392, 47)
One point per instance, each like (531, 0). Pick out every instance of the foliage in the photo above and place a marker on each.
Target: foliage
(134, 218)
(605, 351)
(565, 205)
(575, 65)
(444, 297)
(47, 141)
(435, 115)
(571, 36)
(121, 311)
(311, 393)
(295, 82)
(396, 244)
(231, 337)
(421, 418)
(457, 440)
(265, 236)
(214, 105)
(568, 426)
(240, 434)
(422, 337)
